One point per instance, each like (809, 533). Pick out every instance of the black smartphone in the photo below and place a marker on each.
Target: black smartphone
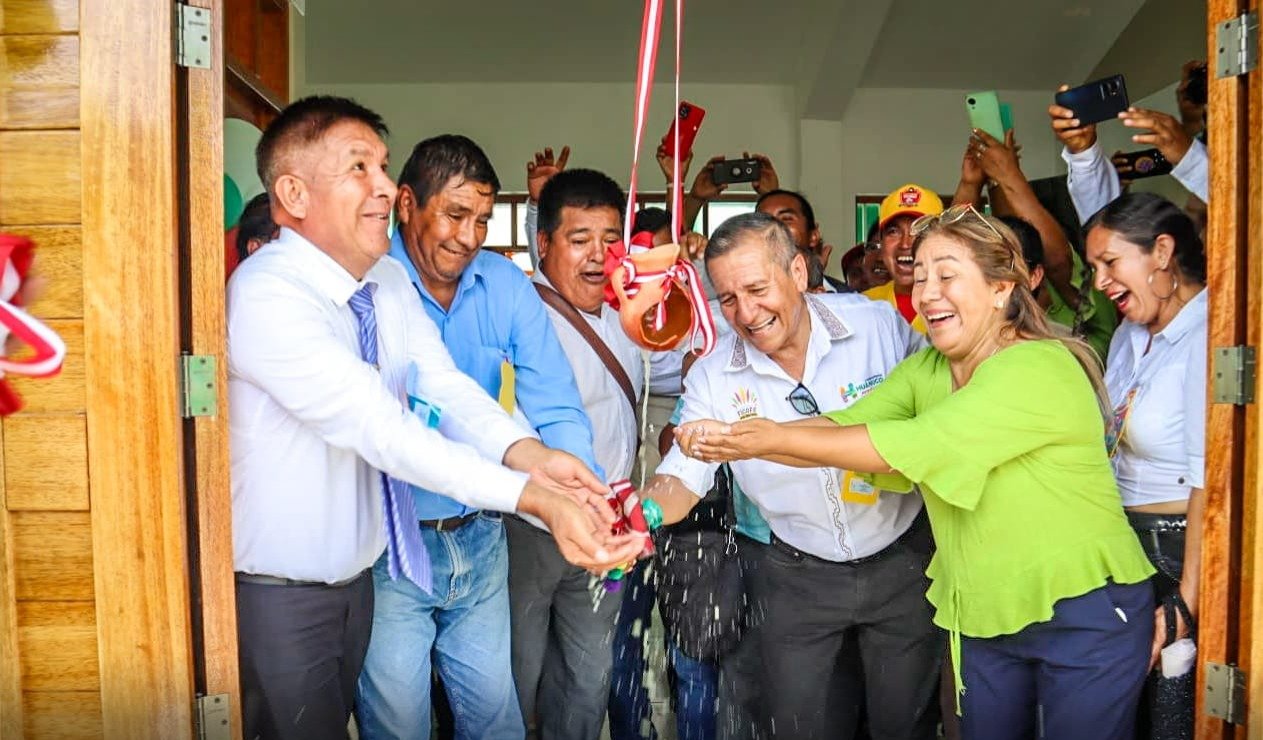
(1097, 101)
(737, 170)
(1144, 163)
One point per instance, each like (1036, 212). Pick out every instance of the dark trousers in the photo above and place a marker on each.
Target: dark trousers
(1077, 675)
(562, 624)
(301, 648)
(816, 611)
(741, 671)
(1162, 537)
(629, 698)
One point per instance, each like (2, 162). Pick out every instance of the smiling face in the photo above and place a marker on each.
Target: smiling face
(338, 195)
(875, 272)
(573, 256)
(1123, 271)
(896, 251)
(953, 296)
(443, 236)
(760, 299)
(789, 210)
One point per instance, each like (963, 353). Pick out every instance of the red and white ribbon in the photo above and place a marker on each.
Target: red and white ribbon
(650, 29)
(48, 348)
(682, 272)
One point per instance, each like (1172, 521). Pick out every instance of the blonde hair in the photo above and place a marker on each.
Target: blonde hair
(998, 253)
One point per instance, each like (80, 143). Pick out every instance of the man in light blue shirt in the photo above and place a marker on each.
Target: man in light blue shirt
(494, 325)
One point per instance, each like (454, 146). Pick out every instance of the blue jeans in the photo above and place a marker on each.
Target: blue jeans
(464, 622)
(696, 696)
(629, 699)
(1078, 675)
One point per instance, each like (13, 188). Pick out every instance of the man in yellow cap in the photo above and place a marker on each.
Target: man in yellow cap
(894, 231)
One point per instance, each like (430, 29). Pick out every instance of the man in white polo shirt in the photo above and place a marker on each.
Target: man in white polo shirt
(846, 568)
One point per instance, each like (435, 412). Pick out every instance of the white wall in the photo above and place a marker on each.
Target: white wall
(820, 179)
(888, 136)
(511, 121)
(895, 136)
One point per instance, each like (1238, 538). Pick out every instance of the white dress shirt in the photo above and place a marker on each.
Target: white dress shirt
(1162, 454)
(829, 513)
(312, 424)
(614, 427)
(1093, 181)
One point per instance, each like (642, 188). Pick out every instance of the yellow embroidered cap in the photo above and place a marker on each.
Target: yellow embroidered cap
(909, 200)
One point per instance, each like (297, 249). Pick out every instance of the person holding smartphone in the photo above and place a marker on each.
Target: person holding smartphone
(1066, 293)
(1091, 178)
(1150, 261)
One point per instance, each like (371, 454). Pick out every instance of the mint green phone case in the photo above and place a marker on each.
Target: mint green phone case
(984, 113)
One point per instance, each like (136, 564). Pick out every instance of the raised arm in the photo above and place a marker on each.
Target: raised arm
(1091, 179)
(999, 161)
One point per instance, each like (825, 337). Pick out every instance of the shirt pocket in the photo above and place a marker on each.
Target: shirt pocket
(484, 366)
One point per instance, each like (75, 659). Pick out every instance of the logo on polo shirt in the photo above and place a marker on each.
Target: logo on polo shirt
(745, 403)
(851, 392)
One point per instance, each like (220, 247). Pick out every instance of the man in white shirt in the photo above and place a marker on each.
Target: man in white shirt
(846, 565)
(323, 334)
(561, 619)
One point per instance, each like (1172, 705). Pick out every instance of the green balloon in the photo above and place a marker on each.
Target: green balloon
(233, 204)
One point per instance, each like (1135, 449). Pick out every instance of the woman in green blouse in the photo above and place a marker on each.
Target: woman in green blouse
(1038, 578)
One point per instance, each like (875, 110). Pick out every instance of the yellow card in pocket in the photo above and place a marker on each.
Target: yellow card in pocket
(507, 387)
(856, 490)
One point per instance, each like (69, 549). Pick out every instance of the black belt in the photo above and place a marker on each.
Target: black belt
(449, 524)
(262, 580)
(1160, 523)
(795, 553)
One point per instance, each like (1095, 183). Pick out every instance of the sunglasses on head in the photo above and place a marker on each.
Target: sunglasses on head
(951, 216)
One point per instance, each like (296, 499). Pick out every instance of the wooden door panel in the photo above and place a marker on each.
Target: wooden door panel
(59, 262)
(64, 393)
(62, 715)
(53, 475)
(40, 178)
(52, 555)
(39, 82)
(39, 16)
(57, 646)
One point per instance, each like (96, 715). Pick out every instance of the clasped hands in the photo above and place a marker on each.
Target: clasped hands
(571, 501)
(714, 441)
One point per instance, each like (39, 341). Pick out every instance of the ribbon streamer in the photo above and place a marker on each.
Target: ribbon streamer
(16, 254)
(622, 255)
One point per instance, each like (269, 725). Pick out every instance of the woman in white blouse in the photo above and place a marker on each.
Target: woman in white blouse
(1149, 260)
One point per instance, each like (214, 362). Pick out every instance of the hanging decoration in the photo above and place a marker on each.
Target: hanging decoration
(657, 290)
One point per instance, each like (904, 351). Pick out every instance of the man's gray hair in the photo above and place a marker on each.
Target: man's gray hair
(756, 228)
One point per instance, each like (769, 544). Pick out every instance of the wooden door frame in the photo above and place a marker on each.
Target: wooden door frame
(1230, 602)
(131, 315)
(201, 147)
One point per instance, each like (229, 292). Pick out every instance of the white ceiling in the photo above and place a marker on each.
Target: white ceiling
(826, 48)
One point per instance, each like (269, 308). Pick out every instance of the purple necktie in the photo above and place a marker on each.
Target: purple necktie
(406, 552)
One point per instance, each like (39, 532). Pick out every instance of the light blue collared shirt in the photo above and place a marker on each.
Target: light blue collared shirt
(496, 316)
